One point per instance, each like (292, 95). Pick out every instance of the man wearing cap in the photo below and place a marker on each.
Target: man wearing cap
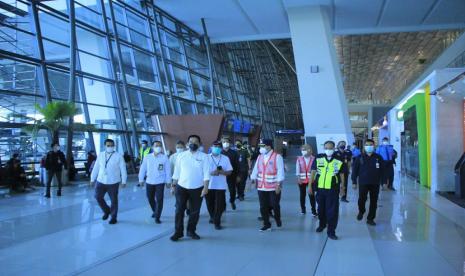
(268, 174)
(220, 168)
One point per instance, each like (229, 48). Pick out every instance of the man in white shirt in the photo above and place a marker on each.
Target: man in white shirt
(180, 148)
(268, 174)
(190, 183)
(156, 167)
(109, 171)
(220, 168)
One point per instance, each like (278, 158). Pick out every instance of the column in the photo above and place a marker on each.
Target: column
(324, 108)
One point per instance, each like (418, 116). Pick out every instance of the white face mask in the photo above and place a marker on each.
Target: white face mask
(110, 149)
(385, 143)
(329, 152)
(263, 150)
(179, 150)
(304, 152)
(226, 145)
(157, 149)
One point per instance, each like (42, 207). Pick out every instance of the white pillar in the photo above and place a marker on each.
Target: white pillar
(324, 107)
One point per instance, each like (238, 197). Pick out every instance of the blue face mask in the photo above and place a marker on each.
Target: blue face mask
(216, 150)
(369, 149)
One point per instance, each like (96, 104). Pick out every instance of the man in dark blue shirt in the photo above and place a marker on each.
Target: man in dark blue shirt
(367, 171)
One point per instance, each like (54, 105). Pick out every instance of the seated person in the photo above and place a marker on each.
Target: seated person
(16, 176)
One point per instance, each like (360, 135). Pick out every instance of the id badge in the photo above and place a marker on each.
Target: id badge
(377, 165)
(160, 167)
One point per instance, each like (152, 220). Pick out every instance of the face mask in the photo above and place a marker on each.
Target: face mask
(304, 152)
(193, 147)
(216, 150)
(157, 149)
(238, 146)
(226, 145)
(329, 152)
(369, 149)
(342, 147)
(385, 143)
(263, 150)
(110, 149)
(179, 150)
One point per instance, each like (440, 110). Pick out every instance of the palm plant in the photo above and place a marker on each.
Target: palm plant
(55, 116)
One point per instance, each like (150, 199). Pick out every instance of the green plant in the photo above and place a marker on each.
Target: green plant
(55, 116)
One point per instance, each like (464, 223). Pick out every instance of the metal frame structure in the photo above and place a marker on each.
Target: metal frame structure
(246, 80)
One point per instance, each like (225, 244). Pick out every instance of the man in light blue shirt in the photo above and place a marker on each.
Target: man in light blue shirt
(156, 167)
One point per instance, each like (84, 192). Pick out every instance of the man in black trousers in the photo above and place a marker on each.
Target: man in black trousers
(54, 163)
(367, 171)
(232, 178)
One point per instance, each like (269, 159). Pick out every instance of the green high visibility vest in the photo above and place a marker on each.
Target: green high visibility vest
(327, 172)
(143, 153)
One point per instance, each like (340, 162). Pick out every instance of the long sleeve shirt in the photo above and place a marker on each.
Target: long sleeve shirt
(279, 166)
(109, 168)
(157, 168)
(192, 169)
(367, 170)
(55, 161)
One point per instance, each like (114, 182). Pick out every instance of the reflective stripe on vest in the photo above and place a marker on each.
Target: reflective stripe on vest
(267, 173)
(327, 171)
(304, 169)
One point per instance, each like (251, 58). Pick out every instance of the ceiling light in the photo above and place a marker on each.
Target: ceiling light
(440, 98)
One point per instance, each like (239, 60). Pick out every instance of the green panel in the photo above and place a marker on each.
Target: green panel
(419, 102)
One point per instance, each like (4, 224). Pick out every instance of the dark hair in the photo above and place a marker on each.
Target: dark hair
(109, 141)
(54, 144)
(180, 143)
(329, 142)
(226, 138)
(385, 138)
(156, 141)
(370, 141)
(145, 142)
(194, 136)
(15, 155)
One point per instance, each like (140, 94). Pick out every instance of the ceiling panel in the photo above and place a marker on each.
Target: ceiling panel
(395, 15)
(357, 13)
(274, 20)
(447, 11)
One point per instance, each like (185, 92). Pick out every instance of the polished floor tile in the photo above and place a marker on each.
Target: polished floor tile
(418, 233)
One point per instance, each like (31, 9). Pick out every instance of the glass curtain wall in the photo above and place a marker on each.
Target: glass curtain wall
(133, 61)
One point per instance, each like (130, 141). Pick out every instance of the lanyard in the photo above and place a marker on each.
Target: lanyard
(307, 167)
(107, 160)
(219, 161)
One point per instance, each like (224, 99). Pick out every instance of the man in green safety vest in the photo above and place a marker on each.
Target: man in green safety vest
(328, 179)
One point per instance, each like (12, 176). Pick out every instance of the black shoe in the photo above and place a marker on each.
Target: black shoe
(333, 237)
(218, 227)
(113, 221)
(176, 237)
(233, 205)
(371, 222)
(260, 218)
(105, 216)
(320, 229)
(210, 221)
(59, 193)
(153, 215)
(359, 216)
(265, 228)
(138, 185)
(315, 214)
(279, 223)
(47, 195)
(157, 221)
(344, 200)
(303, 212)
(193, 235)
(392, 189)
(241, 198)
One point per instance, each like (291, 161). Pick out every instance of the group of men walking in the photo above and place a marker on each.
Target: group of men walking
(193, 175)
